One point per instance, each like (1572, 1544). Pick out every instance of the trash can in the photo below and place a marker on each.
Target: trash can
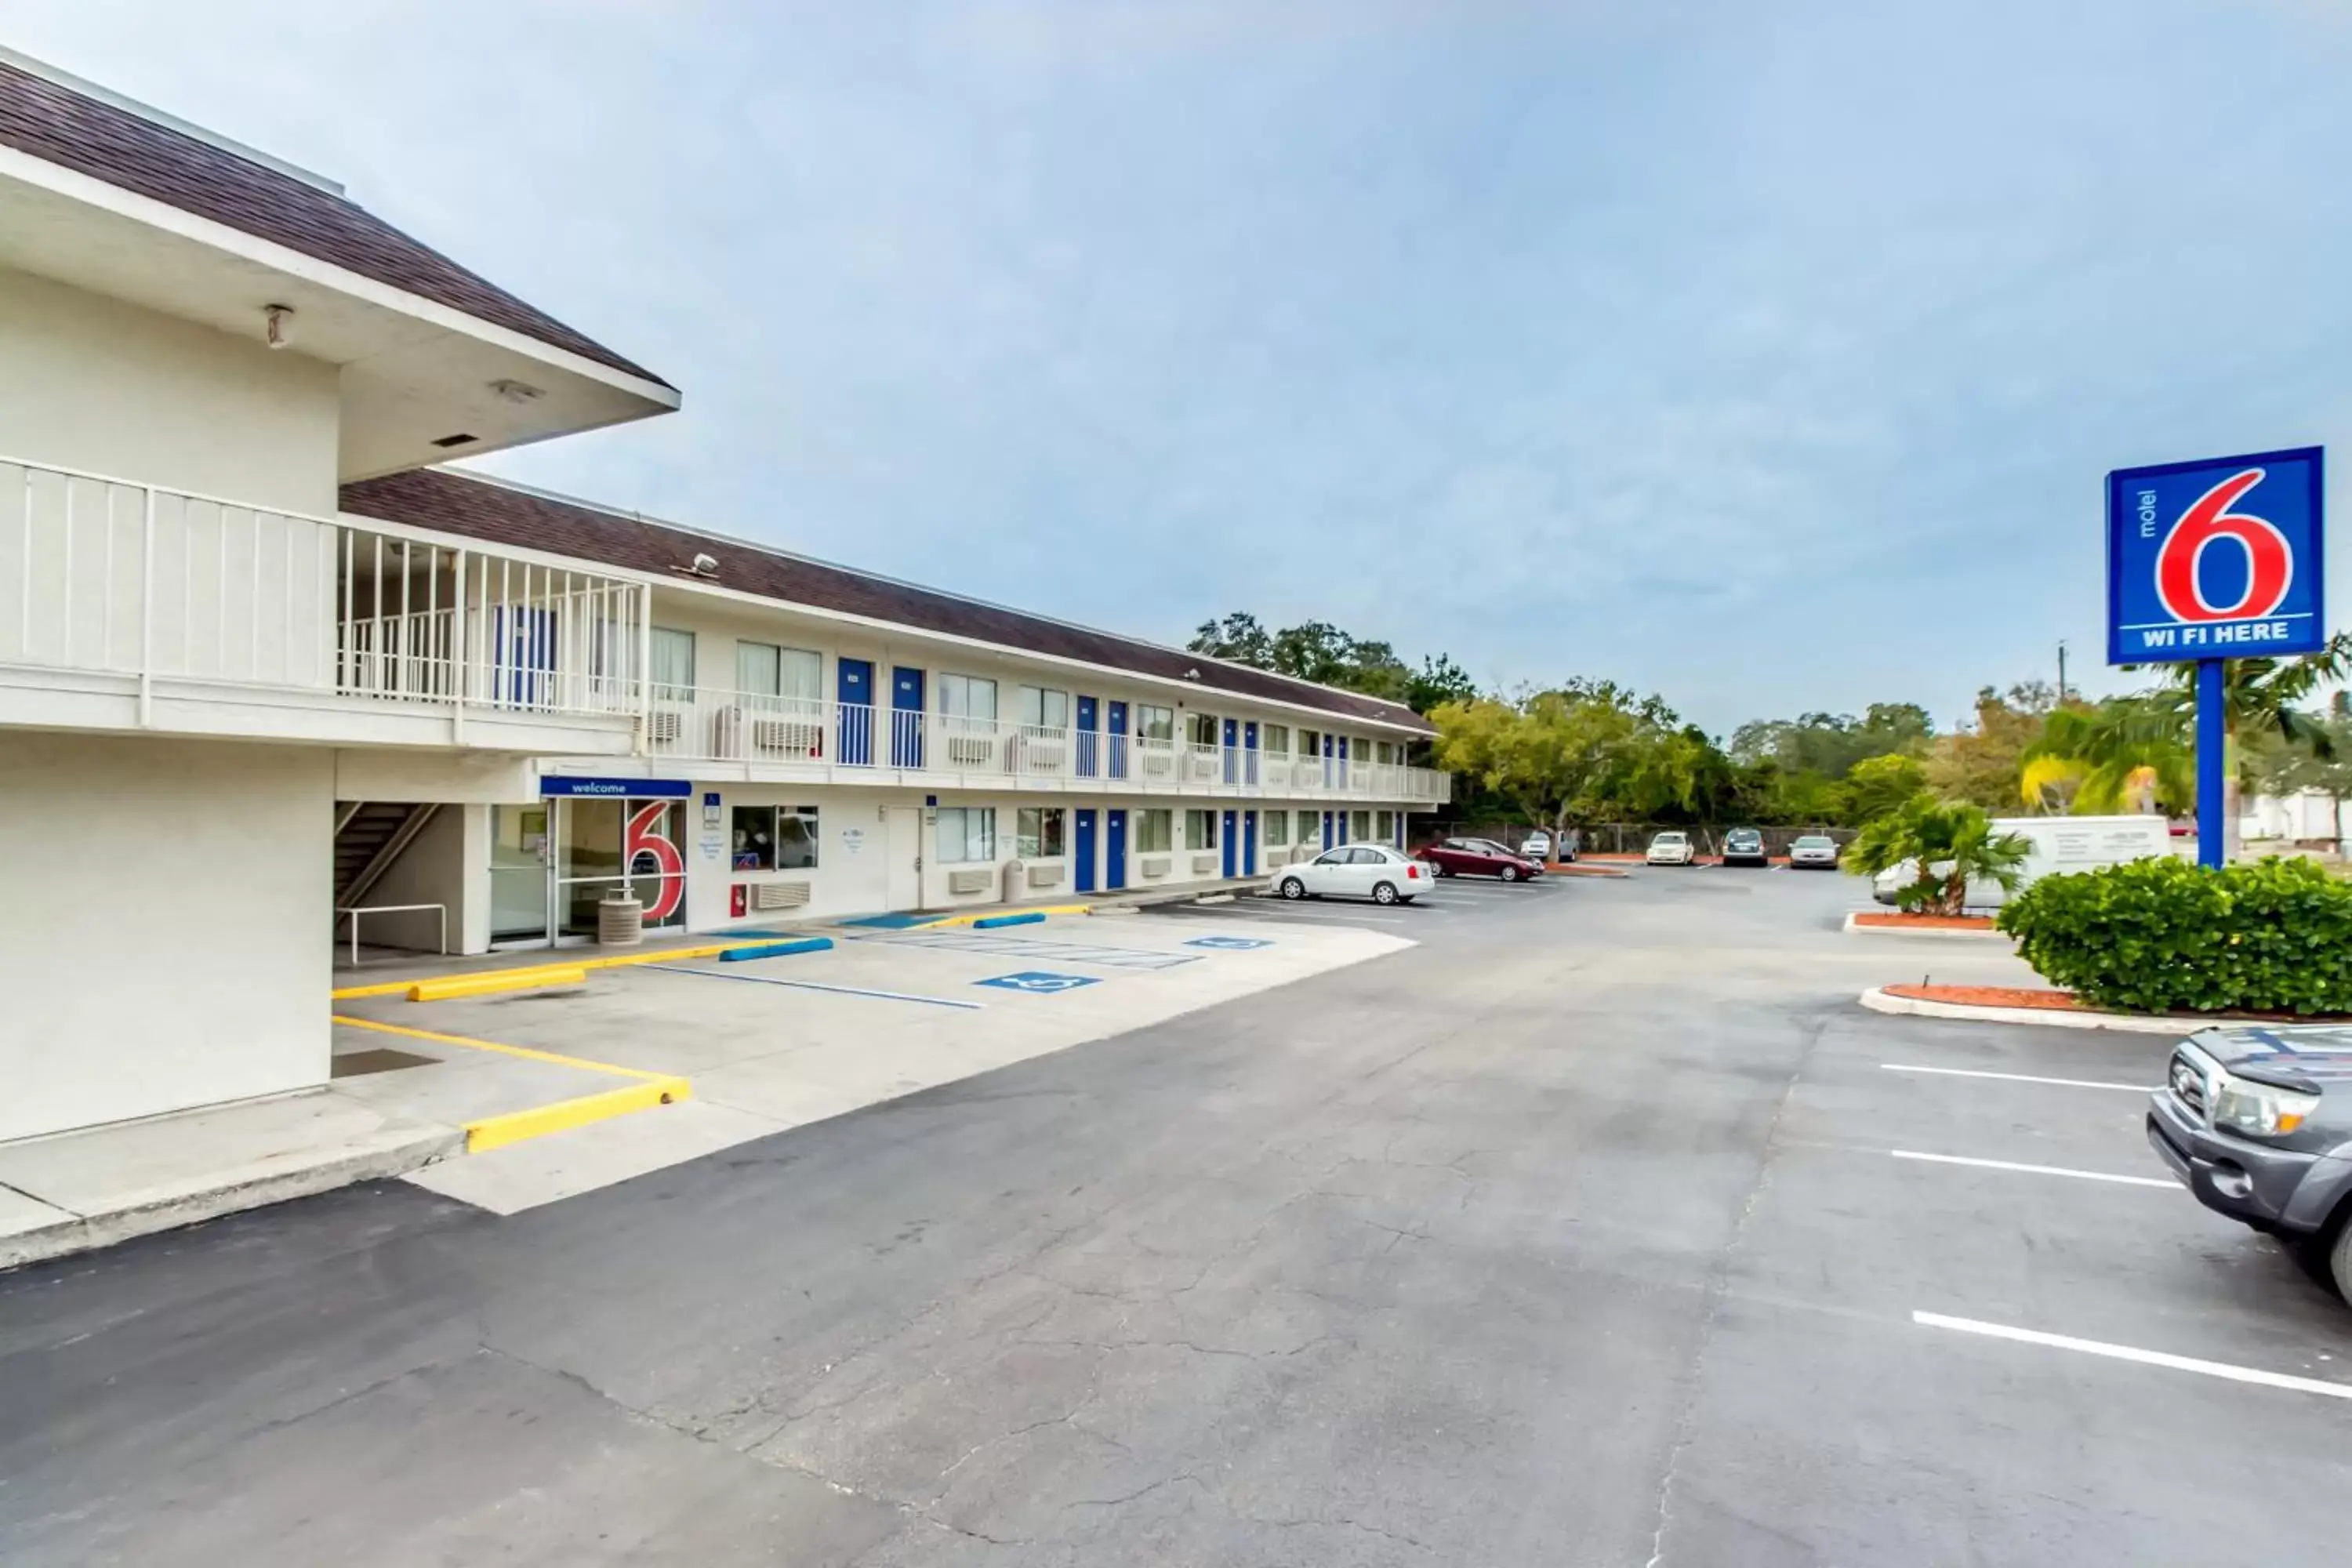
(620, 919)
(1015, 886)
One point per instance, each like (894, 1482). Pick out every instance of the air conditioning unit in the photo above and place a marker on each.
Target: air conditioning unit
(778, 895)
(1048, 876)
(663, 726)
(787, 738)
(971, 751)
(1204, 865)
(1152, 866)
(976, 879)
(1158, 762)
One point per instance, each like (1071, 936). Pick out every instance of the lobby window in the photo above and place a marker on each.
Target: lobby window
(967, 833)
(775, 838)
(1037, 833)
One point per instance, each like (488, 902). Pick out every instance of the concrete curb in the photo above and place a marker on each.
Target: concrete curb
(1878, 1000)
(253, 1185)
(1853, 927)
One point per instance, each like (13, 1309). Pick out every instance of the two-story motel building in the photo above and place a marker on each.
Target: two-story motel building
(262, 664)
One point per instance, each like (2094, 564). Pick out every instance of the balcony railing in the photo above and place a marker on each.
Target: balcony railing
(107, 576)
(809, 733)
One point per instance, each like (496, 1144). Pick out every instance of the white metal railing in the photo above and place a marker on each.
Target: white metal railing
(702, 724)
(109, 575)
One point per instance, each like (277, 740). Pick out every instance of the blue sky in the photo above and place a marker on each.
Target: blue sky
(1769, 356)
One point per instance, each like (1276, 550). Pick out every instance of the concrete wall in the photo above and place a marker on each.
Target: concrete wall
(164, 942)
(97, 385)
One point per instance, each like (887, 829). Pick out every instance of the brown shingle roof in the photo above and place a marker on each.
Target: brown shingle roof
(457, 503)
(50, 120)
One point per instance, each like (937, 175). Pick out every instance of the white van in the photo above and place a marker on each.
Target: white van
(2058, 844)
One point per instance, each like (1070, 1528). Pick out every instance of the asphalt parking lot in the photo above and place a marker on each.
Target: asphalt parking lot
(1593, 1223)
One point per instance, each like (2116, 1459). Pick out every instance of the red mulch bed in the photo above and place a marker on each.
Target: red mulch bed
(2066, 1001)
(1923, 922)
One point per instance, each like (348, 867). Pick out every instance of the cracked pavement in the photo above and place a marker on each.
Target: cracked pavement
(1476, 1254)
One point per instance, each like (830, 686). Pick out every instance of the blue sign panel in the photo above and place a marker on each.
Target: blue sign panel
(1039, 981)
(2217, 559)
(1230, 943)
(617, 789)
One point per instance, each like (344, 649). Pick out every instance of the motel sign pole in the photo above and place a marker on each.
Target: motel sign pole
(2212, 725)
(2212, 561)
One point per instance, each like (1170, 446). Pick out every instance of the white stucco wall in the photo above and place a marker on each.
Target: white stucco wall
(438, 866)
(100, 385)
(164, 940)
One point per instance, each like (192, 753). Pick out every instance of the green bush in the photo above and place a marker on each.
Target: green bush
(2161, 935)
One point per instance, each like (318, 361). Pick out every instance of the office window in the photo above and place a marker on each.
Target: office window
(1277, 829)
(1043, 708)
(1201, 829)
(968, 697)
(1277, 740)
(673, 662)
(775, 839)
(1201, 729)
(1037, 833)
(1360, 826)
(967, 833)
(1151, 831)
(1154, 723)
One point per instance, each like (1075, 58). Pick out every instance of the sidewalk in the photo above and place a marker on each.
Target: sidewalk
(72, 1191)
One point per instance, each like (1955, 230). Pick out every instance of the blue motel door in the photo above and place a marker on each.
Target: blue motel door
(853, 686)
(1226, 837)
(1084, 846)
(1249, 843)
(1115, 848)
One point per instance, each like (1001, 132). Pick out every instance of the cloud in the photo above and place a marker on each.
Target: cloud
(1767, 356)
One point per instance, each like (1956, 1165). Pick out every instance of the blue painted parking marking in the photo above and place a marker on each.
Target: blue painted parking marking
(1039, 981)
(1230, 943)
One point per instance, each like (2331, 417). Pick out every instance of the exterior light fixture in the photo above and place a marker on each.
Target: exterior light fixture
(276, 325)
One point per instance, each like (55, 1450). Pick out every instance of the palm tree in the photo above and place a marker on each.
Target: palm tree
(2116, 752)
(1951, 845)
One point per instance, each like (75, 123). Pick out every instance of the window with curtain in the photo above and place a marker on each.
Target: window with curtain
(1043, 708)
(1201, 729)
(1154, 723)
(1151, 831)
(1310, 826)
(673, 664)
(1309, 743)
(1277, 829)
(968, 697)
(1037, 833)
(1201, 829)
(1277, 740)
(1360, 826)
(758, 668)
(800, 675)
(1385, 828)
(967, 833)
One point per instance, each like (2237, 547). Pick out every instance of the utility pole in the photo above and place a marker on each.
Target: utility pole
(2062, 672)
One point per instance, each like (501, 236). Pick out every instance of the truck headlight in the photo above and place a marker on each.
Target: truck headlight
(2261, 1110)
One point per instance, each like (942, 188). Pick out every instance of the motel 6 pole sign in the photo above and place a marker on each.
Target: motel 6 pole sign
(2210, 560)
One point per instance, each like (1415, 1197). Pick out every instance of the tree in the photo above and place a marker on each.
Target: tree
(1440, 680)
(1878, 786)
(1237, 639)
(2126, 753)
(1551, 752)
(2279, 766)
(1948, 843)
(2260, 696)
(1321, 652)
(1982, 762)
(1829, 744)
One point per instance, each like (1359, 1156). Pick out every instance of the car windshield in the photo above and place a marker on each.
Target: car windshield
(1746, 836)
(1813, 841)
(1670, 838)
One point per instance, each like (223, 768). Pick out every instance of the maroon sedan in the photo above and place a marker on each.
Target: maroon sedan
(1478, 857)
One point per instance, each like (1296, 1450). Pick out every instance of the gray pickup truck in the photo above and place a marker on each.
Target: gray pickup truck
(2257, 1120)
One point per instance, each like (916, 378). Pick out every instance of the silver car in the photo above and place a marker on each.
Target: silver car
(1813, 852)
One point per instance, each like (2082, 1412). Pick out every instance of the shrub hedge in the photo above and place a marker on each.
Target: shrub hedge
(2160, 935)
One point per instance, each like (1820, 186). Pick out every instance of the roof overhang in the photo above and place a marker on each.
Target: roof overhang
(414, 372)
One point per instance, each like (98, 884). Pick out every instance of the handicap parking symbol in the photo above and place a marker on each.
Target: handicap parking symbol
(1230, 943)
(1039, 981)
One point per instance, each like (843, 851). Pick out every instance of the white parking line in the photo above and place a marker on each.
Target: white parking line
(2145, 1358)
(2035, 1170)
(2023, 1078)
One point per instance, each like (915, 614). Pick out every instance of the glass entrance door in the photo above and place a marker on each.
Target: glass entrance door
(519, 850)
(602, 844)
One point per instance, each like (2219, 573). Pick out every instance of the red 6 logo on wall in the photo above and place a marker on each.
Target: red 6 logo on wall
(646, 839)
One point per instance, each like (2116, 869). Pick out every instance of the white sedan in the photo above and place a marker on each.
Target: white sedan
(1372, 871)
(1672, 848)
